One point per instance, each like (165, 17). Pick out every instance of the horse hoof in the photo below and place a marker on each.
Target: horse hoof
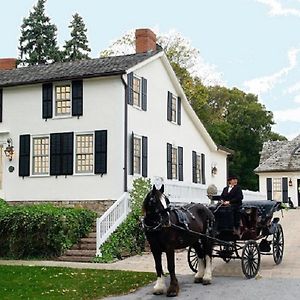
(198, 280)
(157, 293)
(172, 294)
(206, 282)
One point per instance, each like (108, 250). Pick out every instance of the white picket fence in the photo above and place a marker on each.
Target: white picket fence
(177, 192)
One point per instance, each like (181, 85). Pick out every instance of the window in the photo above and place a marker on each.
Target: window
(40, 155)
(62, 100)
(174, 163)
(198, 168)
(174, 109)
(84, 153)
(136, 91)
(277, 189)
(137, 155)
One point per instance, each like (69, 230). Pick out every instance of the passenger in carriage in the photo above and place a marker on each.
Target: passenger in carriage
(232, 195)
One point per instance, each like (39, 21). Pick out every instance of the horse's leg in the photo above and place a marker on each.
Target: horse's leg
(208, 248)
(174, 287)
(159, 287)
(201, 265)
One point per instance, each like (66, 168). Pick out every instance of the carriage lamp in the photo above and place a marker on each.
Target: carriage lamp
(9, 150)
(290, 182)
(214, 170)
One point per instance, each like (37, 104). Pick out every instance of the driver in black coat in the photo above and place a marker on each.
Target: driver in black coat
(232, 195)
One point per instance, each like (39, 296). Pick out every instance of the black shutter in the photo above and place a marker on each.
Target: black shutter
(55, 154)
(144, 156)
(144, 94)
(67, 151)
(269, 188)
(77, 98)
(131, 157)
(169, 107)
(180, 163)
(130, 88)
(24, 157)
(179, 111)
(203, 168)
(285, 190)
(194, 166)
(1, 104)
(47, 100)
(101, 152)
(169, 161)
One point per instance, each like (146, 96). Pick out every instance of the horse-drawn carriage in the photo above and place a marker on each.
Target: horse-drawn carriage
(208, 232)
(260, 234)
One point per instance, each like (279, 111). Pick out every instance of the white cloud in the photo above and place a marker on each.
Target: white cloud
(277, 9)
(263, 84)
(297, 99)
(293, 88)
(288, 115)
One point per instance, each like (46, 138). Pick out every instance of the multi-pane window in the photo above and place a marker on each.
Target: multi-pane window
(174, 109)
(136, 91)
(62, 100)
(40, 155)
(198, 168)
(277, 189)
(174, 163)
(84, 153)
(137, 153)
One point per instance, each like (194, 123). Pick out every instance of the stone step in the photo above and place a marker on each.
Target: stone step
(88, 240)
(84, 246)
(81, 252)
(92, 234)
(76, 258)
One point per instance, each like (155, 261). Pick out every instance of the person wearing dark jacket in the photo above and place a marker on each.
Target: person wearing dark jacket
(232, 195)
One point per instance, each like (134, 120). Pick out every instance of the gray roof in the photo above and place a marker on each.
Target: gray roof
(96, 67)
(280, 156)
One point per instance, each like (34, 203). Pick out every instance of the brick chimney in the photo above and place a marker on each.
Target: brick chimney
(145, 40)
(8, 63)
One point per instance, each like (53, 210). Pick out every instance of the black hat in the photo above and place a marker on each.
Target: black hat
(230, 177)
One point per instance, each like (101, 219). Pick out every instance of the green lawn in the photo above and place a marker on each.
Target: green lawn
(25, 282)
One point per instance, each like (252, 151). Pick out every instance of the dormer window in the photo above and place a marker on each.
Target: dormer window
(63, 100)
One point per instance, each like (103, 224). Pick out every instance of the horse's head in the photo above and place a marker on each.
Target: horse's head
(155, 202)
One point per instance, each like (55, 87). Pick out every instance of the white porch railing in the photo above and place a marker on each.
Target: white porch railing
(183, 193)
(111, 219)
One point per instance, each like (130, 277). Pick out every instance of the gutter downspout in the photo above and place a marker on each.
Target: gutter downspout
(125, 168)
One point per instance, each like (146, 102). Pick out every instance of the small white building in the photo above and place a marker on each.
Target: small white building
(279, 170)
(82, 131)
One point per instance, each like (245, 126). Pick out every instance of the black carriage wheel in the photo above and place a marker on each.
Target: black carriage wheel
(250, 259)
(193, 259)
(278, 244)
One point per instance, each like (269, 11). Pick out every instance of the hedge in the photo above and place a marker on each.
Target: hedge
(41, 230)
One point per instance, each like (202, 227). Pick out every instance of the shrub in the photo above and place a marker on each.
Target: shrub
(128, 239)
(41, 230)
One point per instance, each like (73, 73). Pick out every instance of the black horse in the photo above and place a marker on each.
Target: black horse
(168, 229)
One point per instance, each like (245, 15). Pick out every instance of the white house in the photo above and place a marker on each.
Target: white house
(279, 170)
(82, 131)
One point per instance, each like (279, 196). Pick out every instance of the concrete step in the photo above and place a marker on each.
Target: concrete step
(76, 258)
(81, 252)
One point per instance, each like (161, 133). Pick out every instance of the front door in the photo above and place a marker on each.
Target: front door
(298, 190)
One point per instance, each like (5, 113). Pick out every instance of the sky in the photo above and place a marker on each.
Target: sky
(253, 45)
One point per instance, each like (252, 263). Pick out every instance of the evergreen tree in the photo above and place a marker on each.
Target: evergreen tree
(77, 47)
(38, 44)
